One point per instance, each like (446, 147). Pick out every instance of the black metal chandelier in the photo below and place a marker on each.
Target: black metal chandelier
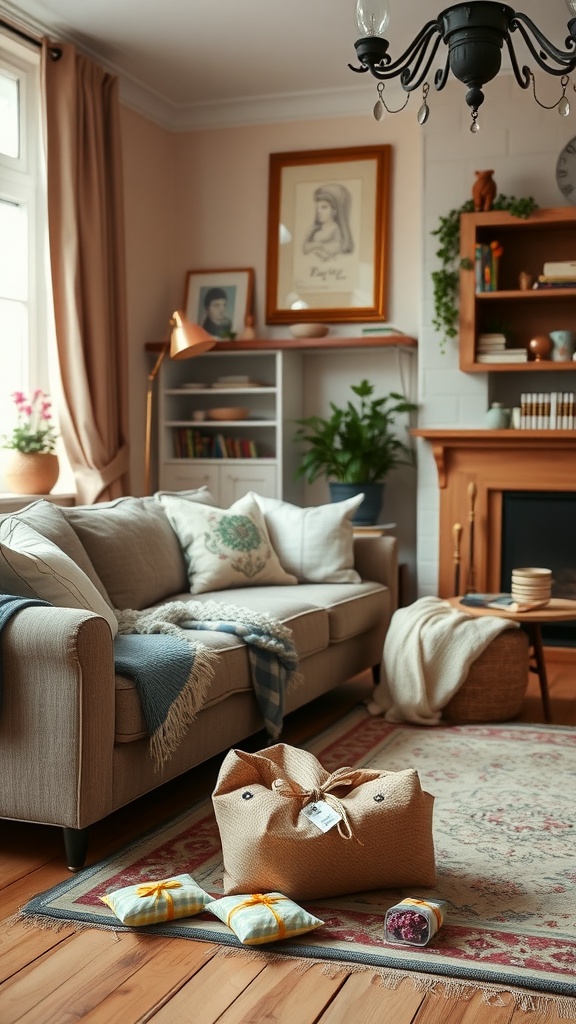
(474, 33)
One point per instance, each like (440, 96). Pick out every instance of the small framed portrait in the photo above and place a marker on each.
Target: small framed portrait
(327, 256)
(219, 300)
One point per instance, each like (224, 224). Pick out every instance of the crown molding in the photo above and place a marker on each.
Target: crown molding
(248, 110)
(235, 112)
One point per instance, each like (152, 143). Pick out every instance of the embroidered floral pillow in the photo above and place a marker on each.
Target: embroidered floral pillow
(225, 547)
(257, 918)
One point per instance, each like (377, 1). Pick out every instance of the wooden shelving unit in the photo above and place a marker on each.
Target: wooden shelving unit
(548, 234)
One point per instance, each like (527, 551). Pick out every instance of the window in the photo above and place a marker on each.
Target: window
(24, 321)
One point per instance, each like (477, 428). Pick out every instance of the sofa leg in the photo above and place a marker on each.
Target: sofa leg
(376, 673)
(76, 847)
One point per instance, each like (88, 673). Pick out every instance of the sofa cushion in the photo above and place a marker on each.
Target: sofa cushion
(133, 549)
(225, 547)
(49, 521)
(315, 543)
(32, 566)
(352, 608)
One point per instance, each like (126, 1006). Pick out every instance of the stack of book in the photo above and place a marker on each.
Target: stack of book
(491, 348)
(547, 411)
(192, 444)
(486, 262)
(558, 275)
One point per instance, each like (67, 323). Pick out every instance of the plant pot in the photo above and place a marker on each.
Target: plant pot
(31, 472)
(369, 511)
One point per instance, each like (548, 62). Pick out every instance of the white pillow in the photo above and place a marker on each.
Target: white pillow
(31, 566)
(316, 543)
(225, 547)
(202, 494)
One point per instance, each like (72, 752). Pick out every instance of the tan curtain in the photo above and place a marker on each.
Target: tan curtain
(86, 239)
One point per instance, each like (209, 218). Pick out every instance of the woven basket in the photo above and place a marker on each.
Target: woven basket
(496, 684)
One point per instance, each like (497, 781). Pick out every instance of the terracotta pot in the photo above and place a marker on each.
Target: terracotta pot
(31, 472)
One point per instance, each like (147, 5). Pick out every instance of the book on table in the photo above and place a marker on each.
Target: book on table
(501, 602)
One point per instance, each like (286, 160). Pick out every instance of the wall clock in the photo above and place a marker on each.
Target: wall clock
(566, 172)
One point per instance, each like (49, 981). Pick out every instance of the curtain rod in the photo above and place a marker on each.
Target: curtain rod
(55, 51)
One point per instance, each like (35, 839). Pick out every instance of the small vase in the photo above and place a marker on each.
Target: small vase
(31, 472)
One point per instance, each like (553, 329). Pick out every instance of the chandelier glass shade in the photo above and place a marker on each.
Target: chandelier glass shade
(475, 34)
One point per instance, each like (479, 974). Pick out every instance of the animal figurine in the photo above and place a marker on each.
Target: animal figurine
(483, 190)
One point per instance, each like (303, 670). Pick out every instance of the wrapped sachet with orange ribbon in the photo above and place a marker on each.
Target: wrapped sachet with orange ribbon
(257, 918)
(153, 901)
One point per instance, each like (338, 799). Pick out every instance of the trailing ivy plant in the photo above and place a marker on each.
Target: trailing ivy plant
(446, 280)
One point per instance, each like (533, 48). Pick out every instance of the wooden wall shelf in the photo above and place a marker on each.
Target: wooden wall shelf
(313, 344)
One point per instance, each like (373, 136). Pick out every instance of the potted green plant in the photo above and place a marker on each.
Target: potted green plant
(355, 447)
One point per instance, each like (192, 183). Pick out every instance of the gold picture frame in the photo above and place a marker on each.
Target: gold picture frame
(327, 252)
(220, 300)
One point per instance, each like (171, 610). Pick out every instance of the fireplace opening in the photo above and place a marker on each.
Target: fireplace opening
(538, 528)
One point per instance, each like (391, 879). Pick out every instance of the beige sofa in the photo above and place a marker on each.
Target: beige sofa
(73, 741)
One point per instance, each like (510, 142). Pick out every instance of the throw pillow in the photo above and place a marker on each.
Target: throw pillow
(316, 543)
(225, 547)
(32, 566)
(201, 494)
(49, 521)
(133, 548)
(259, 918)
(162, 900)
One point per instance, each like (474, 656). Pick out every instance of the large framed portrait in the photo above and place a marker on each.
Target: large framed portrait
(327, 257)
(219, 300)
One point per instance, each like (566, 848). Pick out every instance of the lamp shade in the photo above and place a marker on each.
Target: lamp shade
(188, 339)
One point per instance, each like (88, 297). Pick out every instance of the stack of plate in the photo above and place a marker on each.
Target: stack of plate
(532, 585)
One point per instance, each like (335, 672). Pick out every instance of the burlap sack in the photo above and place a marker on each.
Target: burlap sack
(383, 840)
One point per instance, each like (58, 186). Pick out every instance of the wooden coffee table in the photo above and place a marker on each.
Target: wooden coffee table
(557, 610)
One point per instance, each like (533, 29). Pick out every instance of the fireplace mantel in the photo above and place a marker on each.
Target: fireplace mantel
(494, 461)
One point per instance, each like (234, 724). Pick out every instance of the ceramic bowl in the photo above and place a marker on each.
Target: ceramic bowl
(309, 330)
(232, 413)
(532, 574)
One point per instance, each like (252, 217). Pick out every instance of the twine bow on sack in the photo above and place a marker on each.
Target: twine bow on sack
(257, 899)
(161, 889)
(341, 777)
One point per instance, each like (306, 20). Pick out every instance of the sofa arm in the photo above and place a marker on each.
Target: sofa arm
(376, 558)
(57, 717)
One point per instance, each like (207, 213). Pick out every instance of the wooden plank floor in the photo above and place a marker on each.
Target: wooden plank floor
(49, 977)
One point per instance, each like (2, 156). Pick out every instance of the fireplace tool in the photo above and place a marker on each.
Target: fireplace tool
(471, 578)
(457, 534)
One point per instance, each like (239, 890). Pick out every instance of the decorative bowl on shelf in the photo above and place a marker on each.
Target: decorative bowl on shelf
(309, 330)
(232, 413)
(540, 347)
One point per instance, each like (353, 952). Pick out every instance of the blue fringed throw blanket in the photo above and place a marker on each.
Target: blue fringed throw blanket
(9, 605)
(172, 672)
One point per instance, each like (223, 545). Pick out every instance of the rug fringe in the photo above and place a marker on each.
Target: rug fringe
(450, 988)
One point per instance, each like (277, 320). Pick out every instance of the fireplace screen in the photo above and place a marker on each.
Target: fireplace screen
(539, 528)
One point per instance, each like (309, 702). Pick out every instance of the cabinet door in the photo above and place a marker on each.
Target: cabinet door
(189, 475)
(237, 480)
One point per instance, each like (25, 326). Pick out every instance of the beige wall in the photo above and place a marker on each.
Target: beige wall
(198, 200)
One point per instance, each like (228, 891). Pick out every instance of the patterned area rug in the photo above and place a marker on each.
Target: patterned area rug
(504, 832)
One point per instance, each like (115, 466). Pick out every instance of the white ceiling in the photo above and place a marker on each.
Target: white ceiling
(194, 62)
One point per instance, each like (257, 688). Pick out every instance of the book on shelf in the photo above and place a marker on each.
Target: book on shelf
(508, 355)
(547, 410)
(560, 268)
(486, 265)
(500, 602)
(189, 443)
(558, 284)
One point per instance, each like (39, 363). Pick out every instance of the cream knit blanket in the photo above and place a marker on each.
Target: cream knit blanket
(428, 651)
